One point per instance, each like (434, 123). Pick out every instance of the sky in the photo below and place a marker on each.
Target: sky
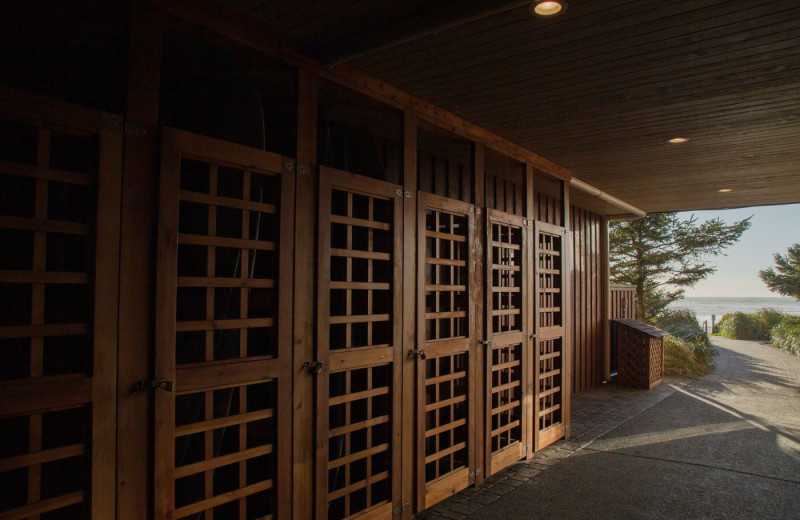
(773, 230)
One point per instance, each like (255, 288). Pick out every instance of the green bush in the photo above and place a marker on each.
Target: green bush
(739, 325)
(687, 350)
(786, 334)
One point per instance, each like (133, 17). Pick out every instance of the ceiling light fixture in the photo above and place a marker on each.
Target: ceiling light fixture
(725, 190)
(548, 7)
(677, 140)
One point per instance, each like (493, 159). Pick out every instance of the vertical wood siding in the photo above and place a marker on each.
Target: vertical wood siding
(587, 352)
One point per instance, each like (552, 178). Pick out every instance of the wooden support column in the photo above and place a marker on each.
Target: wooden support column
(137, 264)
(605, 285)
(304, 243)
(409, 310)
(479, 189)
(531, 345)
(567, 306)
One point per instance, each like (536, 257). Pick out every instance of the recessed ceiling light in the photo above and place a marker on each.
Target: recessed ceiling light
(549, 7)
(725, 190)
(677, 140)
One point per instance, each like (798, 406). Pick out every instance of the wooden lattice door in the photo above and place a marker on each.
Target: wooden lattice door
(358, 366)
(59, 229)
(551, 378)
(445, 353)
(223, 331)
(508, 343)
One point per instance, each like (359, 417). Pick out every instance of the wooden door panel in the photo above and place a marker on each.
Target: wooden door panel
(551, 383)
(359, 340)
(508, 347)
(60, 170)
(445, 336)
(223, 331)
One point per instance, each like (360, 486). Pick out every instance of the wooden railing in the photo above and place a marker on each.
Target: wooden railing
(623, 301)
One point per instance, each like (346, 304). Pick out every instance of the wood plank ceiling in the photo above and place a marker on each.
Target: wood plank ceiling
(599, 89)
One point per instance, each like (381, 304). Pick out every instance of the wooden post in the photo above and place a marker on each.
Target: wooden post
(305, 240)
(567, 277)
(479, 384)
(137, 253)
(409, 310)
(606, 298)
(530, 345)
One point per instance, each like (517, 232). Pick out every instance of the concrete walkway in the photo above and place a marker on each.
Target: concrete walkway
(726, 446)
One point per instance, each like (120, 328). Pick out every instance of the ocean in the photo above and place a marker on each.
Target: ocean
(705, 308)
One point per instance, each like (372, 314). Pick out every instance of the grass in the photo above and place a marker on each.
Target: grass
(782, 330)
(687, 350)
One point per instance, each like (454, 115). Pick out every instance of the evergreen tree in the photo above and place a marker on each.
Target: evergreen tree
(661, 255)
(784, 278)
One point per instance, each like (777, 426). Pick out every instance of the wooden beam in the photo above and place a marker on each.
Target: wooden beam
(425, 22)
(137, 251)
(606, 300)
(251, 34)
(305, 223)
(409, 311)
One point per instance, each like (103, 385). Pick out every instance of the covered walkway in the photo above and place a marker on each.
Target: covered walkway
(726, 446)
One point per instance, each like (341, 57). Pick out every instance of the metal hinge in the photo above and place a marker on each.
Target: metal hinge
(566, 428)
(525, 222)
(289, 166)
(475, 473)
(399, 509)
(128, 127)
(303, 169)
(526, 448)
(403, 194)
(151, 384)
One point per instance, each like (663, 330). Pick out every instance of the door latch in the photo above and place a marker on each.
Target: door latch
(313, 367)
(417, 352)
(151, 384)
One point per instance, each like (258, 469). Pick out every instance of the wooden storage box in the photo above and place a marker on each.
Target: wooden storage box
(640, 354)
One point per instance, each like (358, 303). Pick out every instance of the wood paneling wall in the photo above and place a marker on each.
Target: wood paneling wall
(548, 209)
(623, 302)
(587, 352)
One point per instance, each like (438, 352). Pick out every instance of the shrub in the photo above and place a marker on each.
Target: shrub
(786, 334)
(739, 325)
(687, 350)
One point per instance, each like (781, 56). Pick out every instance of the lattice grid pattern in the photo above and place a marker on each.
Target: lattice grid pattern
(506, 401)
(446, 275)
(446, 415)
(550, 382)
(361, 270)
(640, 358)
(227, 309)
(359, 439)
(506, 278)
(47, 211)
(548, 269)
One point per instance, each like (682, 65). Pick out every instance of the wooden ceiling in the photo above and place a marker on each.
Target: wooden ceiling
(599, 89)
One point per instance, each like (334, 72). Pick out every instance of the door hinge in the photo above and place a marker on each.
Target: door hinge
(475, 473)
(399, 509)
(151, 384)
(526, 448)
(303, 169)
(566, 428)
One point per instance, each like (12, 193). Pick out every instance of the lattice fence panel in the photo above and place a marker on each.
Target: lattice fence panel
(359, 441)
(446, 276)
(362, 257)
(506, 279)
(227, 282)
(548, 270)
(550, 382)
(446, 415)
(506, 396)
(359, 324)
(48, 205)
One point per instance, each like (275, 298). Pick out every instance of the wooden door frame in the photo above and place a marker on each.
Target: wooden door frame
(176, 144)
(448, 486)
(525, 339)
(98, 390)
(329, 179)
